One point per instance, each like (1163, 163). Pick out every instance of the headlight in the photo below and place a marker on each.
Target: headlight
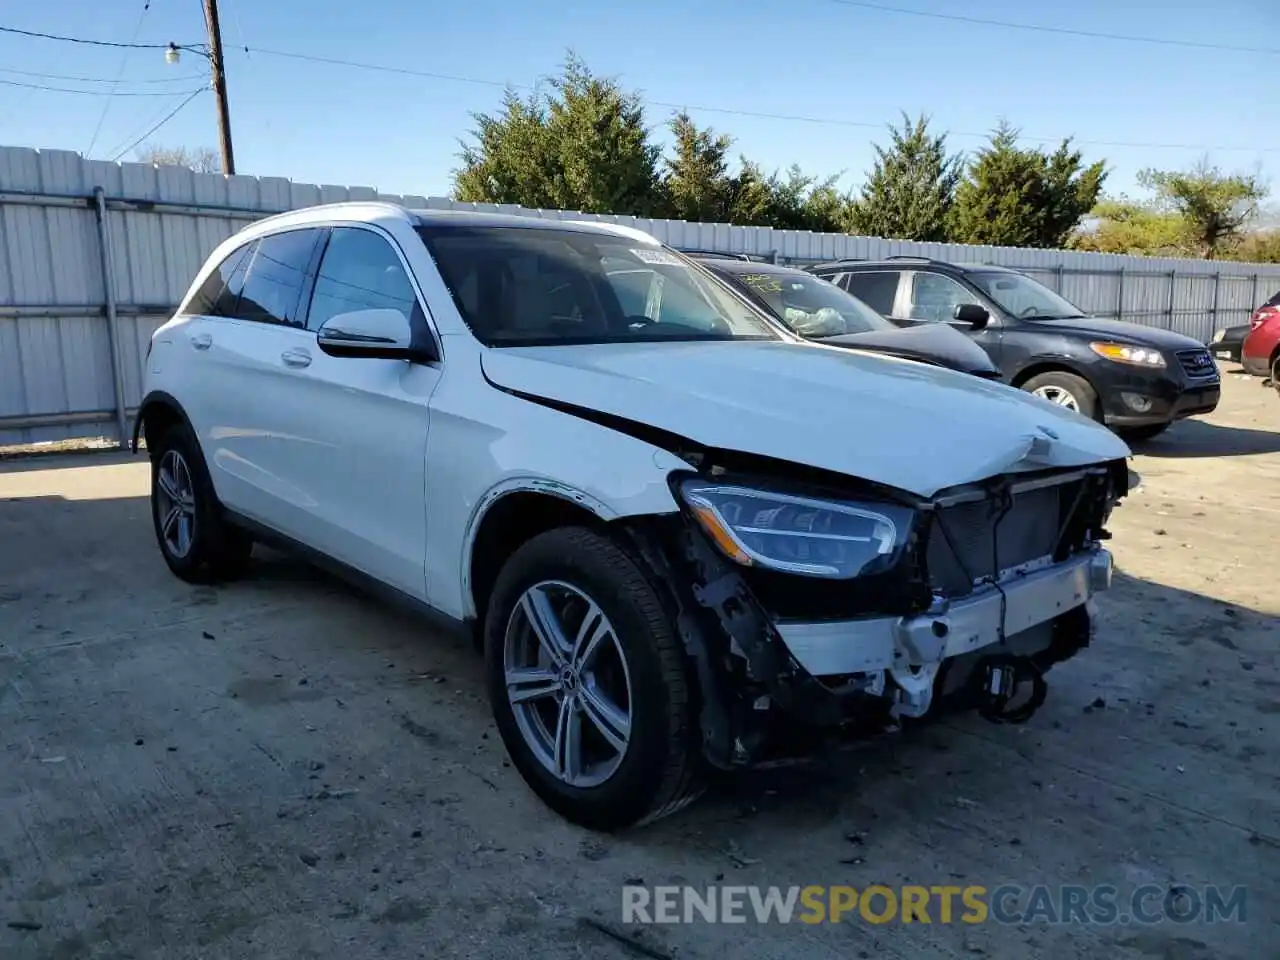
(1124, 353)
(817, 538)
(1218, 336)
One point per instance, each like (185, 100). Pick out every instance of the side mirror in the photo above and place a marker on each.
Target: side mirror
(379, 333)
(975, 315)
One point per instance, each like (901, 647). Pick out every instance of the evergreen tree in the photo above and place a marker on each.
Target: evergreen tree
(912, 185)
(1018, 197)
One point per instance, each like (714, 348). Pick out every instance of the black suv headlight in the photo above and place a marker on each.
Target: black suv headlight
(798, 534)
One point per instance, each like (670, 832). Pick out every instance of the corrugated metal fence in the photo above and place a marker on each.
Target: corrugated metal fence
(95, 255)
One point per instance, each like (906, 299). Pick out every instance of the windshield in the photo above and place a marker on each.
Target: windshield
(1023, 297)
(810, 306)
(541, 286)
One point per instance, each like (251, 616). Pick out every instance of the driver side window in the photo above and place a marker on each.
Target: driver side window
(935, 297)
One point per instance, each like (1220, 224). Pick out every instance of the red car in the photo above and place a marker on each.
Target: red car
(1260, 354)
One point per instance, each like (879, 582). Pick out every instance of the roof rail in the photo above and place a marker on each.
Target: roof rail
(912, 256)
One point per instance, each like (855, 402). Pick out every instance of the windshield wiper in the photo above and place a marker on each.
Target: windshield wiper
(1055, 316)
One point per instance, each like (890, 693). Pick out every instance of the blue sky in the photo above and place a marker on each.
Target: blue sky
(816, 58)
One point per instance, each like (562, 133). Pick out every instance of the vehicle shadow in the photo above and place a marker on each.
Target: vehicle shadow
(1200, 438)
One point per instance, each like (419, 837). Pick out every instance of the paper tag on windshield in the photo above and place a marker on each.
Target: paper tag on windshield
(656, 255)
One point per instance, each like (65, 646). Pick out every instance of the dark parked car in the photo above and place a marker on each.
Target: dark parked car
(1136, 379)
(1226, 343)
(827, 314)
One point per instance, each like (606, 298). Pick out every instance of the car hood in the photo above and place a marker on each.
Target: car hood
(1122, 331)
(907, 425)
(935, 342)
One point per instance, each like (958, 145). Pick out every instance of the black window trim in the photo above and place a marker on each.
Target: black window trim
(422, 320)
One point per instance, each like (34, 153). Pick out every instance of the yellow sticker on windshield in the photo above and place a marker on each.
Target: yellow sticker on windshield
(764, 282)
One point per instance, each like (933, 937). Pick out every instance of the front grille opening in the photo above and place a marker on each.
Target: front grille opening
(974, 548)
(1197, 363)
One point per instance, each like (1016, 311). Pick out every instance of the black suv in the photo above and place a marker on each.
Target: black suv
(1136, 379)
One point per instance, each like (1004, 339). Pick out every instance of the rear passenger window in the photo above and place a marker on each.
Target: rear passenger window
(360, 271)
(273, 282)
(876, 290)
(209, 298)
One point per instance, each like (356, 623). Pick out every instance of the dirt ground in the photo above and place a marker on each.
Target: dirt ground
(283, 769)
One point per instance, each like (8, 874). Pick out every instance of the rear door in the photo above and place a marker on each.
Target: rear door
(350, 433)
(258, 319)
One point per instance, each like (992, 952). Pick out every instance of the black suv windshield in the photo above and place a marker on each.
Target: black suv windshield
(518, 286)
(809, 305)
(1022, 297)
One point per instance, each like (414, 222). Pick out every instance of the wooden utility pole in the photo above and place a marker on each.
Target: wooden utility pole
(219, 85)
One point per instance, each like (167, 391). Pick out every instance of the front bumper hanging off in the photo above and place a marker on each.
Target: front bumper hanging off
(911, 650)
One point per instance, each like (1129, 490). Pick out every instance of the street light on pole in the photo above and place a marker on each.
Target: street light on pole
(212, 51)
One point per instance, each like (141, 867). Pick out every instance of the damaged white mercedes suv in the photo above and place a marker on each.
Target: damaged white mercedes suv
(685, 538)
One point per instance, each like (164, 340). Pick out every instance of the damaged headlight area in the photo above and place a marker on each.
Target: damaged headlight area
(799, 535)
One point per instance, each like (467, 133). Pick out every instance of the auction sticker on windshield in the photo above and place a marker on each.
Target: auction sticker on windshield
(662, 257)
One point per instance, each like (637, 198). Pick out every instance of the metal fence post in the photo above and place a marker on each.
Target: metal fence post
(1253, 304)
(1213, 312)
(113, 322)
(1173, 293)
(1120, 295)
(1057, 279)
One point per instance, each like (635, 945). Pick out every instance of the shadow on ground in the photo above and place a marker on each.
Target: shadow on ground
(1200, 438)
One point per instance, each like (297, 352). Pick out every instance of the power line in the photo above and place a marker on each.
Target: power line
(93, 43)
(79, 79)
(167, 117)
(90, 93)
(124, 62)
(729, 111)
(1064, 31)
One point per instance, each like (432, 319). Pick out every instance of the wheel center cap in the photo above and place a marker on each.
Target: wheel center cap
(569, 679)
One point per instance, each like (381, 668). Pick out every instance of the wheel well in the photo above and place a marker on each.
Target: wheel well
(510, 523)
(1047, 366)
(157, 417)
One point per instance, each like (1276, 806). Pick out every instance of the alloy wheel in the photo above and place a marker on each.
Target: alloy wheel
(1059, 395)
(175, 504)
(568, 683)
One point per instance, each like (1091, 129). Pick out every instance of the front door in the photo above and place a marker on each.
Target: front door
(933, 298)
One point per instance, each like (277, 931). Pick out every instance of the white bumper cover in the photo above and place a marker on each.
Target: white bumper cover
(904, 645)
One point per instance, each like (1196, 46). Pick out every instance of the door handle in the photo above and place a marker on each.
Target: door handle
(296, 357)
(201, 341)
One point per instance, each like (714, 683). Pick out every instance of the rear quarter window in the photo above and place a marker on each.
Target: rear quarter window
(213, 296)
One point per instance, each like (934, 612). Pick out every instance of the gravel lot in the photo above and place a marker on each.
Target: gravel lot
(281, 768)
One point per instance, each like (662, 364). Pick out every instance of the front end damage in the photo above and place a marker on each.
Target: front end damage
(990, 588)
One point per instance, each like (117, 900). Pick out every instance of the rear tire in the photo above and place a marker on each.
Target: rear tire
(1141, 434)
(577, 583)
(1066, 390)
(195, 539)
(1275, 372)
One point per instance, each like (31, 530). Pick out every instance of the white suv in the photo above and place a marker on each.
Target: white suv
(684, 537)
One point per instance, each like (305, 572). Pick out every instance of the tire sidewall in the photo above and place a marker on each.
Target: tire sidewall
(194, 564)
(628, 794)
(1085, 396)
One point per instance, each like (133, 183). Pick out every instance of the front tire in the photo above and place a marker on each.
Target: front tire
(588, 684)
(1066, 390)
(195, 539)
